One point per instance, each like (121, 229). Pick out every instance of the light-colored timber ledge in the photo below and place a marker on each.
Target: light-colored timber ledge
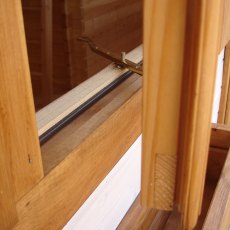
(83, 162)
(57, 110)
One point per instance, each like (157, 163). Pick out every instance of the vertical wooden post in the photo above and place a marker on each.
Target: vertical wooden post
(164, 32)
(200, 60)
(19, 135)
(47, 51)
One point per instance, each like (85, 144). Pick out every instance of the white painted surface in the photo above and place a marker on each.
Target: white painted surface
(219, 75)
(108, 204)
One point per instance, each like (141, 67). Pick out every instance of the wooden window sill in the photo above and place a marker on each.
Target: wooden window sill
(77, 159)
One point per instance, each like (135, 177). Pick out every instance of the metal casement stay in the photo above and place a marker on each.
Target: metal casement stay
(121, 62)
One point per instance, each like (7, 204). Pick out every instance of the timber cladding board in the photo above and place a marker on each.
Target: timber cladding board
(69, 184)
(17, 110)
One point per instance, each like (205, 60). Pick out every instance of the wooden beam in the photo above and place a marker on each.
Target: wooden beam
(201, 49)
(218, 216)
(17, 109)
(164, 32)
(69, 184)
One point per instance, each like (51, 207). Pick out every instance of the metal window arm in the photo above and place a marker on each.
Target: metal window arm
(121, 62)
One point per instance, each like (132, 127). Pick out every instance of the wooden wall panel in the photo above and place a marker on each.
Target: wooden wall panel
(17, 116)
(225, 97)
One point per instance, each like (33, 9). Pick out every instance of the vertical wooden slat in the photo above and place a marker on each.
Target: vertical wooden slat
(19, 133)
(47, 51)
(224, 24)
(225, 87)
(202, 43)
(164, 31)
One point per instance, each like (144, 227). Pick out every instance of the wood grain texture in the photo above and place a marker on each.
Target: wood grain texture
(55, 111)
(70, 183)
(224, 99)
(138, 217)
(47, 51)
(220, 136)
(201, 49)
(8, 214)
(160, 220)
(218, 216)
(224, 24)
(17, 110)
(164, 31)
(58, 147)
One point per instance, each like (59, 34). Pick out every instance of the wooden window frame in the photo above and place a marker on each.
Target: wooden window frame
(36, 198)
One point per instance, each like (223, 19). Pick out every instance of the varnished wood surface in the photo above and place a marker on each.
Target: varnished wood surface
(138, 217)
(8, 214)
(220, 136)
(201, 50)
(19, 139)
(218, 216)
(69, 184)
(224, 107)
(164, 31)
